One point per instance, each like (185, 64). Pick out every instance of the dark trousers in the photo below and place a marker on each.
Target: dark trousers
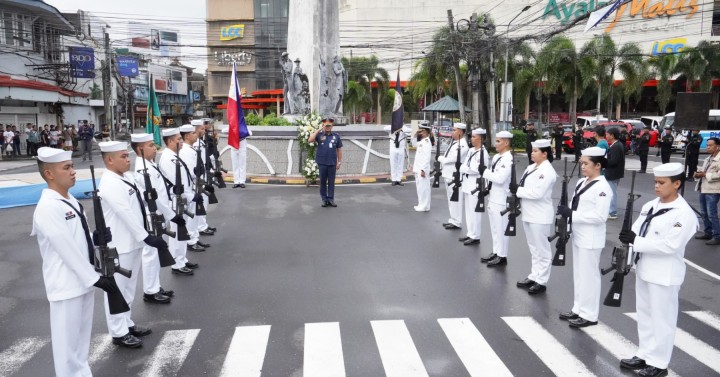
(691, 162)
(709, 210)
(643, 159)
(327, 182)
(529, 152)
(665, 156)
(16, 148)
(558, 150)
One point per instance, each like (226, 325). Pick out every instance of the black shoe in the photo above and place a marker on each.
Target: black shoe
(242, 185)
(451, 227)
(488, 258)
(536, 289)
(527, 283)
(703, 236)
(463, 239)
(446, 224)
(325, 204)
(332, 203)
(207, 232)
(568, 316)
(400, 183)
(393, 183)
(471, 241)
(497, 262)
(191, 265)
(195, 247)
(212, 229)
(157, 298)
(634, 363)
(139, 332)
(128, 341)
(651, 371)
(169, 293)
(203, 244)
(182, 271)
(236, 186)
(581, 322)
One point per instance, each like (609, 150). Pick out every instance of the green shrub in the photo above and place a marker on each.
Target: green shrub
(272, 120)
(519, 139)
(252, 119)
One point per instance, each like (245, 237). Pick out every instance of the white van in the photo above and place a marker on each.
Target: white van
(589, 121)
(713, 129)
(652, 121)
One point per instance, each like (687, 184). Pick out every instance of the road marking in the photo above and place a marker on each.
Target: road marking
(472, 348)
(170, 353)
(694, 347)
(100, 348)
(13, 358)
(323, 350)
(397, 350)
(560, 361)
(703, 270)
(613, 342)
(246, 354)
(709, 318)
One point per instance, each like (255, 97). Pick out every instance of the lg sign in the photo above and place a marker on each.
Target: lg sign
(670, 46)
(231, 32)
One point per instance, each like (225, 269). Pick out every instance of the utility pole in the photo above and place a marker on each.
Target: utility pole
(491, 95)
(456, 67)
(107, 79)
(475, 78)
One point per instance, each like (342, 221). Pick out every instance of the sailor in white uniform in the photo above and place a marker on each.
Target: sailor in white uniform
(590, 201)
(659, 237)
(470, 171)
(448, 161)
(203, 228)
(498, 176)
(398, 147)
(188, 156)
(124, 213)
(535, 192)
(61, 227)
(421, 166)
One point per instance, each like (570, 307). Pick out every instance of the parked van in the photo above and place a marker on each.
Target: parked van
(589, 121)
(713, 129)
(652, 121)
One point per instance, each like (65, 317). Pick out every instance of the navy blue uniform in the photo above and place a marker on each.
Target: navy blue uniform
(326, 158)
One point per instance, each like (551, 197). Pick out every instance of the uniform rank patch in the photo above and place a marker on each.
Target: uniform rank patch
(131, 191)
(677, 225)
(643, 213)
(541, 176)
(69, 215)
(602, 194)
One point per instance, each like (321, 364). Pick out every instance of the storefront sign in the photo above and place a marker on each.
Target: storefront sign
(228, 33)
(127, 66)
(670, 46)
(228, 57)
(82, 62)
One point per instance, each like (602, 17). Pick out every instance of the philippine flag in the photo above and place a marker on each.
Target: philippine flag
(238, 130)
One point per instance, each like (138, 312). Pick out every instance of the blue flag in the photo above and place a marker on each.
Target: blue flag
(398, 109)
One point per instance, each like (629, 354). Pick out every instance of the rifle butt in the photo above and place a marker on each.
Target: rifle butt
(165, 257)
(117, 303)
(182, 233)
(212, 198)
(614, 295)
(559, 258)
(480, 207)
(510, 231)
(200, 210)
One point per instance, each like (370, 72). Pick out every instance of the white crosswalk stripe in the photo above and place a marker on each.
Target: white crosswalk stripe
(708, 318)
(472, 348)
(169, 355)
(246, 354)
(13, 358)
(397, 350)
(694, 347)
(100, 348)
(547, 348)
(323, 350)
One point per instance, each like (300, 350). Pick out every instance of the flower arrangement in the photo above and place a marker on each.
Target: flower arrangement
(310, 170)
(306, 126)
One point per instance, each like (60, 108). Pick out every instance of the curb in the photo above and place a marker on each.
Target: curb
(339, 181)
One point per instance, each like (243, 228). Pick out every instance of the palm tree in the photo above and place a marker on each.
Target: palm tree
(523, 73)
(663, 68)
(691, 64)
(558, 58)
(362, 71)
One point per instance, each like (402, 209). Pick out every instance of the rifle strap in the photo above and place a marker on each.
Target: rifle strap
(492, 169)
(447, 152)
(140, 202)
(646, 224)
(86, 228)
(576, 197)
(168, 184)
(187, 170)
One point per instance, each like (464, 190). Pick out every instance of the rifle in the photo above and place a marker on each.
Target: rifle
(480, 186)
(210, 150)
(180, 205)
(205, 185)
(437, 169)
(157, 220)
(456, 182)
(513, 202)
(622, 256)
(107, 262)
(563, 226)
(199, 170)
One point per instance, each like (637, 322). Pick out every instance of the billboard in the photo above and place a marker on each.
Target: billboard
(127, 66)
(82, 62)
(169, 80)
(149, 39)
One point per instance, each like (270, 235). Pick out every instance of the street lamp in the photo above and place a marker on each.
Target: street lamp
(507, 57)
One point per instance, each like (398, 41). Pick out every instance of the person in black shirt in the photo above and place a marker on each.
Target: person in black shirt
(558, 136)
(531, 136)
(666, 142)
(643, 147)
(692, 151)
(577, 142)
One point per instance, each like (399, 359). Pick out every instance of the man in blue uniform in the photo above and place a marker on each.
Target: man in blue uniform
(329, 158)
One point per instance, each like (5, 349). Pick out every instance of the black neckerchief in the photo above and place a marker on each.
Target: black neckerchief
(450, 147)
(646, 225)
(527, 174)
(576, 197)
(86, 228)
(492, 169)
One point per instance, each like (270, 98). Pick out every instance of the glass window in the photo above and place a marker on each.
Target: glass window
(8, 25)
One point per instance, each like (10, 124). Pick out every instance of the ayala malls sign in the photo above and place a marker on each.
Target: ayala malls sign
(566, 12)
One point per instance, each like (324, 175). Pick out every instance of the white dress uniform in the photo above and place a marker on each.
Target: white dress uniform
(202, 220)
(660, 272)
(538, 216)
(167, 166)
(150, 259)
(498, 174)
(238, 157)
(423, 155)
(470, 174)
(447, 162)
(588, 240)
(398, 146)
(69, 277)
(188, 155)
(123, 215)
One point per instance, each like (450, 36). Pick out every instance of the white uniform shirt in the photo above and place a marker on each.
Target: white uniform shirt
(167, 166)
(663, 247)
(157, 182)
(67, 271)
(122, 212)
(499, 176)
(589, 220)
(200, 144)
(470, 169)
(536, 194)
(423, 155)
(189, 157)
(450, 157)
(402, 138)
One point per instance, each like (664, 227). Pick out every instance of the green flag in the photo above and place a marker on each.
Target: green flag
(154, 120)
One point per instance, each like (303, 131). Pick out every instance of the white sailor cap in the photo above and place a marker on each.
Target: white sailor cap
(479, 131)
(541, 143)
(461, 126)
(504, 135)
(669, 170)
(406, 129)
(112, 146)
(170, 131)
(187, 128)
(52, 155)
(141, 138)
(593, 152)
(196, 122)
(424, 126)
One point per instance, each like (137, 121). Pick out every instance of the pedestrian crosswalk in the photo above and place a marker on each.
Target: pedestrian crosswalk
(394, 342)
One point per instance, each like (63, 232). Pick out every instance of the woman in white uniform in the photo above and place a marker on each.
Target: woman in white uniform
(538, 214)
(498, 175)
(590, 202)
(470, 173)
(421, 167)
(659, 237)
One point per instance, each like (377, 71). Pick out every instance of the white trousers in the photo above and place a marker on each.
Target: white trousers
(455, 208)
(239, 162)
(422, 186)
(150, 270)
(498, 224)
(472, 219)
(539, 246)
(192, 225)
(118, 324)
(178, 249)
(657, 312)
(201, 221)
(397, 159)
(586, 282)
(70, 328)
